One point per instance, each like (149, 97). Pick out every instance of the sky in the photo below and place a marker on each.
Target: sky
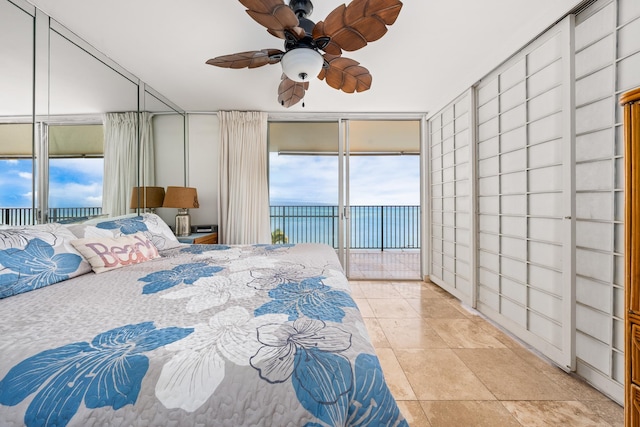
(73, 183)
(375, 180)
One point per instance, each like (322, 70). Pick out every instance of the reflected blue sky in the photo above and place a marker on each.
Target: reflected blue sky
(73, 183)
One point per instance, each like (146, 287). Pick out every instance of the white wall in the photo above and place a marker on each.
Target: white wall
(203, 132)
(201, 162)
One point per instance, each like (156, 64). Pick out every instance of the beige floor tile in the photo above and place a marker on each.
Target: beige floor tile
(378, 337)
(576, 388)
(441, 292)
(458, 364)
(379, 290)
(608, 410)
(553, 414)
(464, 333)
(394, 375)
(356, 290)
(392, 308)
(503, 337)
(509, 377)
(411, 334)
(415, 290)
(436, 308)
(438, 374)
(413, 413)
(364, 307)
(468, 413)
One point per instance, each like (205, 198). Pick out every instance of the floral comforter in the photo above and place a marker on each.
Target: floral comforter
(207, 335)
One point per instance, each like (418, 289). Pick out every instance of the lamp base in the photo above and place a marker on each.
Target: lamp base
(183, 223)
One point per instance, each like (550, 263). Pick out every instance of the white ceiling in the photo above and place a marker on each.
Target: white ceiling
(434, 51)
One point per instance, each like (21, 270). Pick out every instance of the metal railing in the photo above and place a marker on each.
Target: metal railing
(372, 227)
(26, 216)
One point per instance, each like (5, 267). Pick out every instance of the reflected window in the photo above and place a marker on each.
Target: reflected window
(74, 172)
(76, 167)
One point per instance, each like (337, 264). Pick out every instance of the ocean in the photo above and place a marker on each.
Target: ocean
(372, 227)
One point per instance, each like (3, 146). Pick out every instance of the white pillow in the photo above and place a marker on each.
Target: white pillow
(108, 253)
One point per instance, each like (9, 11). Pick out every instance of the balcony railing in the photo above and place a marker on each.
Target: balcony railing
(372, 227)
(26, 216)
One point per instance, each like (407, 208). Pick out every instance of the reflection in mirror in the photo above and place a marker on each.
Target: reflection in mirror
(16, 114)
(82, 87)
(169, 126)
(70, 124)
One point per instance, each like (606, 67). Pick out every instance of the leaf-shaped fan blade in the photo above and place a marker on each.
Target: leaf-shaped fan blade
(352, 27)
(252, 59)
(290, 92)
(298, 32)
(271, 14)
(345, 74)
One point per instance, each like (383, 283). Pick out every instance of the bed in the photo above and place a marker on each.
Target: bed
(154, 332)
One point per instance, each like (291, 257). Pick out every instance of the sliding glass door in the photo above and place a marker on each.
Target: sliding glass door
(304, 183)
(383, 198)
(354, 185)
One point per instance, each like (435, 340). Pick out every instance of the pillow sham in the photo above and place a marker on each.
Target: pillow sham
(35, 256)
(153, 227)
(108, 253)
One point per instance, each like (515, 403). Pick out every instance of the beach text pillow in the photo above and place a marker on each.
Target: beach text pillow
(108, 253)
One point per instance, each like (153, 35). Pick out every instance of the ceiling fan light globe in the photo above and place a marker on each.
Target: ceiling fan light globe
(301, 64)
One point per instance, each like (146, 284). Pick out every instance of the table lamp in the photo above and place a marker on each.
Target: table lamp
(182, 198)
(147, 198)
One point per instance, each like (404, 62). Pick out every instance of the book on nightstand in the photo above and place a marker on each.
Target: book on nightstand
(204, 228)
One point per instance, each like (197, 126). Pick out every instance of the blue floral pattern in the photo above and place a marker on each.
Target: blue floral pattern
(308, 352)
(223, 326)
(185, 273)
(267, 247)
(34, 266)
(310, 298)
(107, 372)
(200, 249)
(125, 225)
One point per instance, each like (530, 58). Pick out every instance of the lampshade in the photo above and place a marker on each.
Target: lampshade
(147, 197)
(301, 64)
(181, 197)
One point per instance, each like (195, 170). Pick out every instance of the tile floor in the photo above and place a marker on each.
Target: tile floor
(390, 264)
(447, 366)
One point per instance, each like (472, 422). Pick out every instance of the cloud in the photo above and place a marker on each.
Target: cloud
(25, 175)
(87, 167)
(374, 180)
(11, 161)
(73, 194)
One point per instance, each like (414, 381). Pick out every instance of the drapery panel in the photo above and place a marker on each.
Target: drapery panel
(126, 166)
(243, 181)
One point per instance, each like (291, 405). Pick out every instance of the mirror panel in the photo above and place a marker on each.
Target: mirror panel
(57, 89)
(82, 84)
(169, 130)
(16, 113)
(82, 87)
(16, 61)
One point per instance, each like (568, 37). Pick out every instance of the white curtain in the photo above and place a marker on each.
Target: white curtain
(123, 161)
(243, 212)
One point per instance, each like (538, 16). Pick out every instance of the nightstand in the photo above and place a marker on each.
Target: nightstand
(200, 238)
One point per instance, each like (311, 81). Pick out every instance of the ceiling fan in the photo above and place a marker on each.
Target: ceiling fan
(345, 28)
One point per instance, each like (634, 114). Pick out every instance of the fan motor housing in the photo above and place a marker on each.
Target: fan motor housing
(302, 8)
